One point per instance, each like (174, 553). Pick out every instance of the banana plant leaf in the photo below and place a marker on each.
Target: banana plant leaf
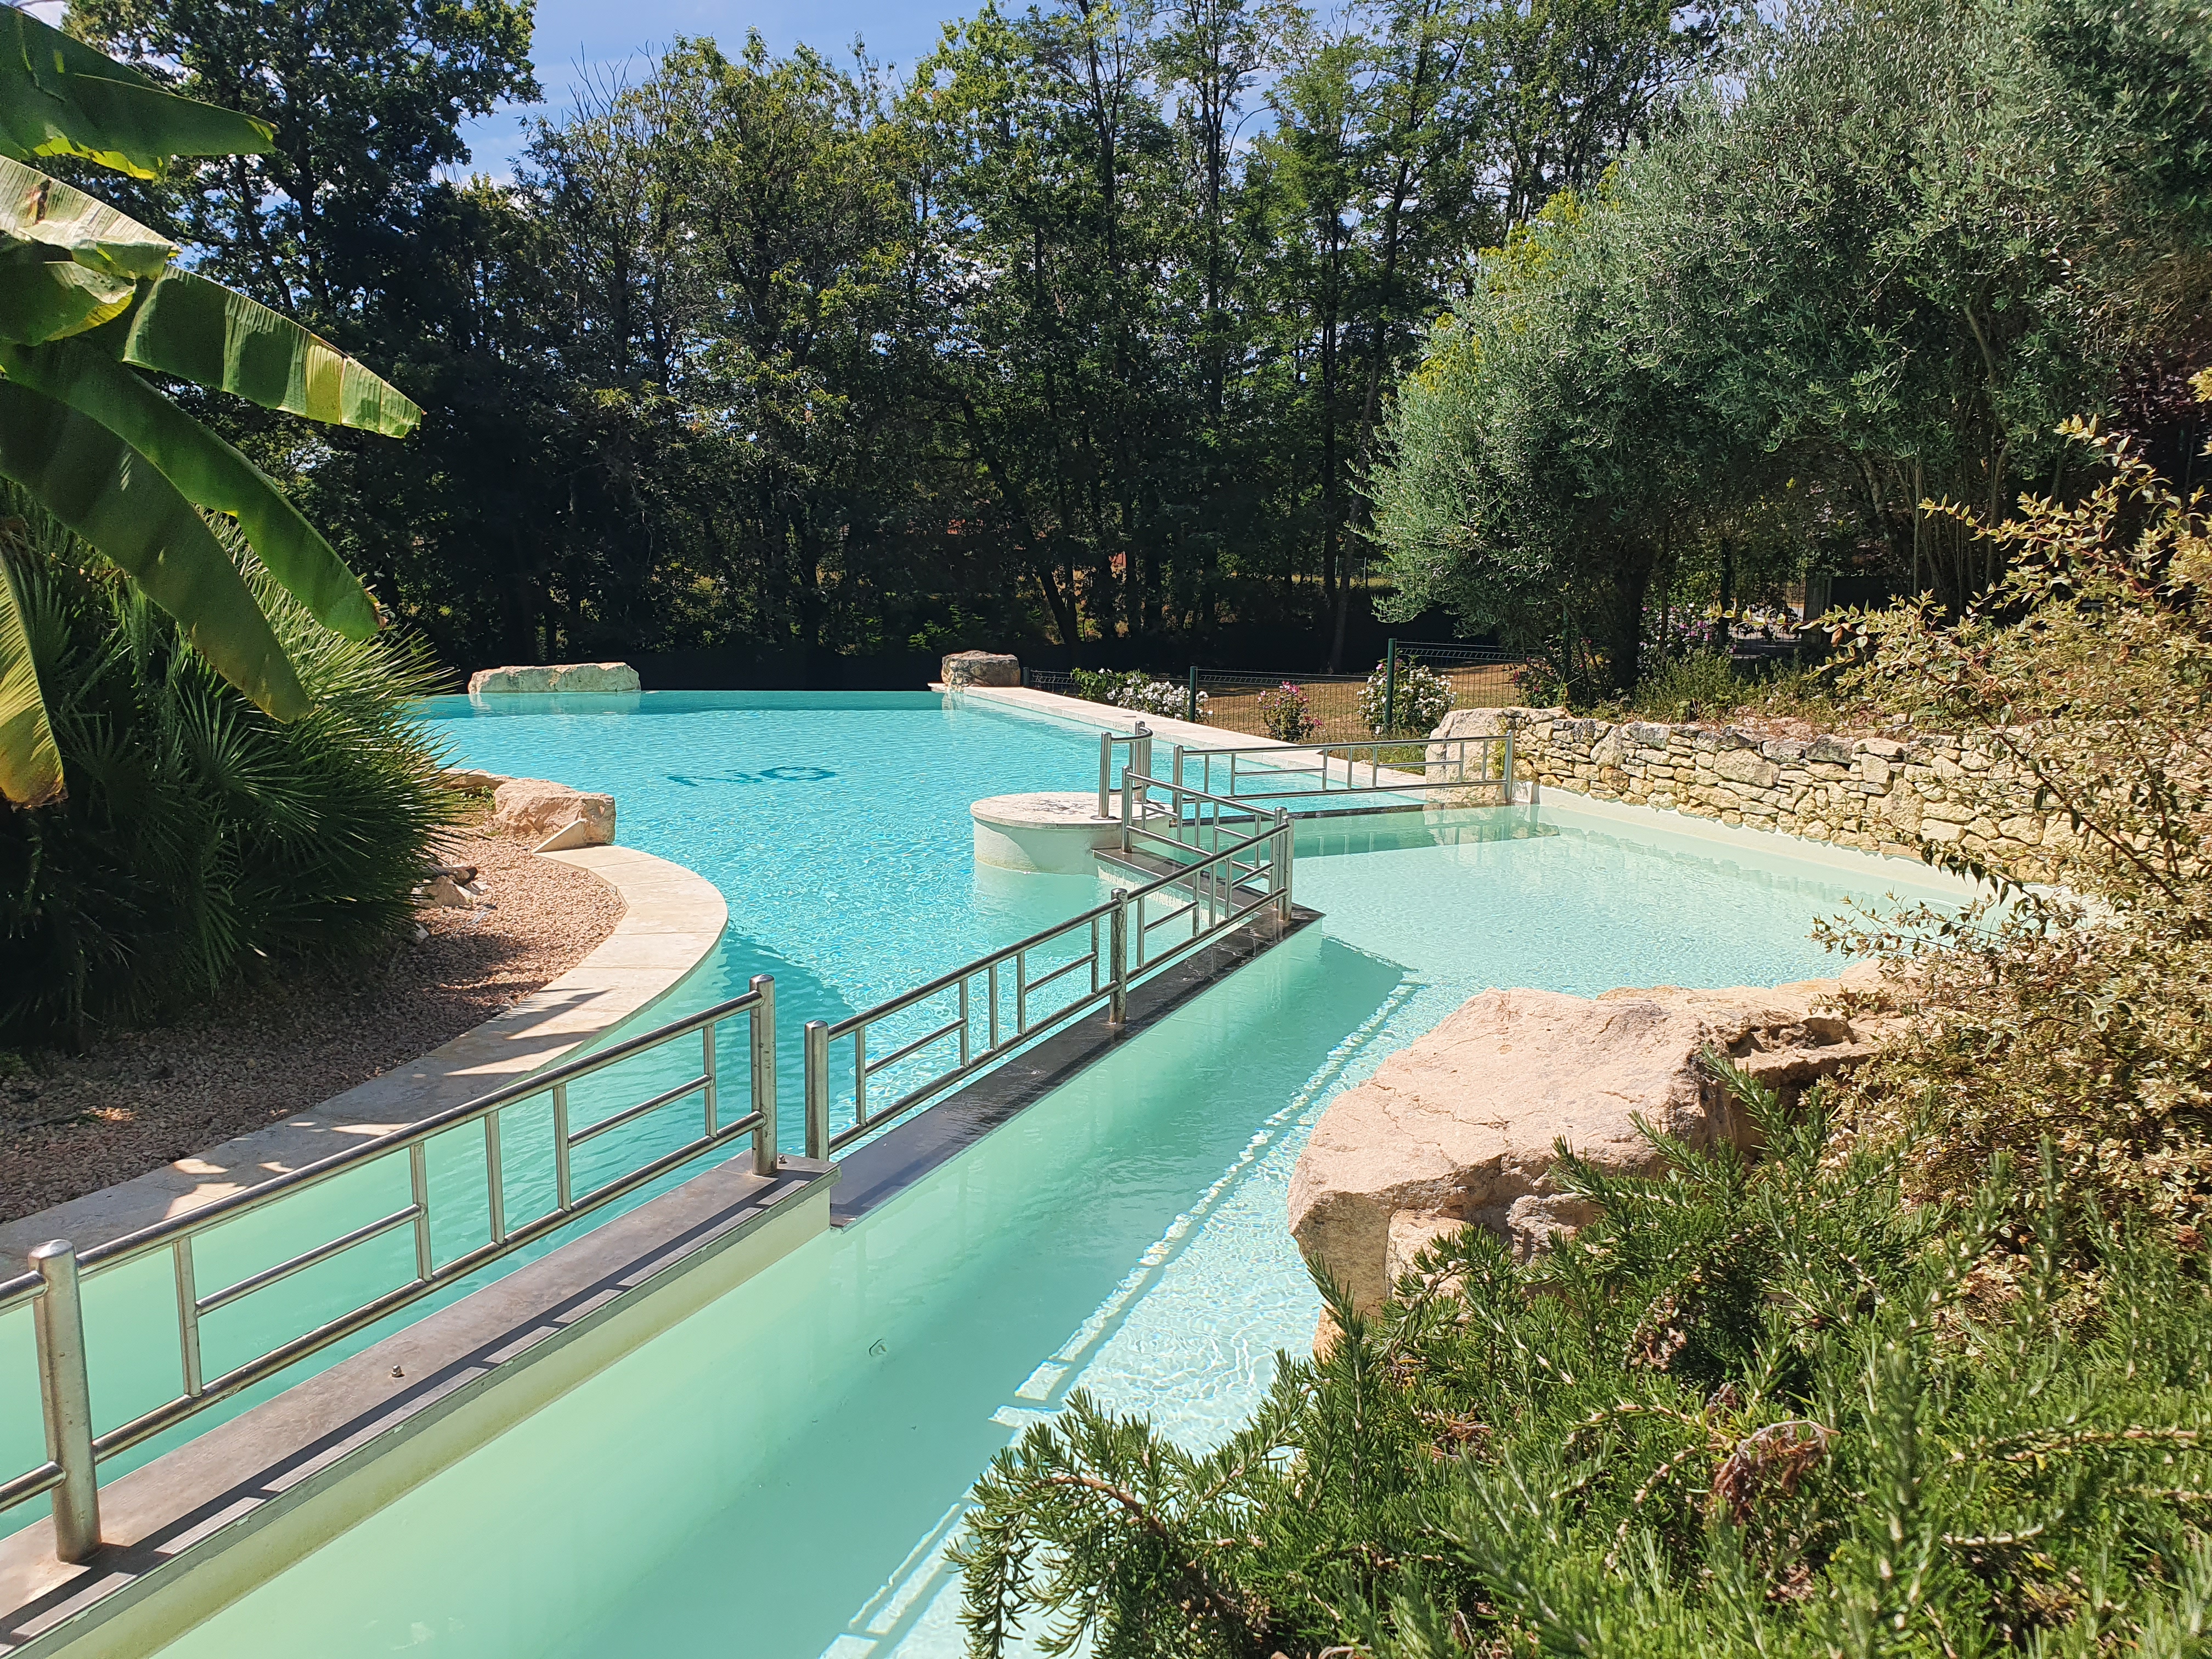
(68, 263)
(30, 764)
(202, 332)
(117, 501)
(59, 97)
(206, 470)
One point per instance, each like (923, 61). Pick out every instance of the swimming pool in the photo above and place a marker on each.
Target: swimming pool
(777, 1475)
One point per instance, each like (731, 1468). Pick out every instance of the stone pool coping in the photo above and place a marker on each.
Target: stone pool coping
(672, 919)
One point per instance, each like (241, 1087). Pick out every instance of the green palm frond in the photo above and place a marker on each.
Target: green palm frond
(59, 97)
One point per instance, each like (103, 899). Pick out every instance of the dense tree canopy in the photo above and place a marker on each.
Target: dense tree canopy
(1081, 330)
(1873, 271)
(1092, 329)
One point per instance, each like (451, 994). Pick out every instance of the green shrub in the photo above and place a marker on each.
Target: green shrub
(201, 840)
(1695, 685)
(1422, 699)
(1287, 712)
(1766, 1408)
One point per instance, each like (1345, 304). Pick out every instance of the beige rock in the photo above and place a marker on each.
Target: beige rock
(1747, 766)
(466, 778)
(555, 677)
(534, 808)
(444, 890)
(964, 668)
(1462, 1125)
(1412, 1231)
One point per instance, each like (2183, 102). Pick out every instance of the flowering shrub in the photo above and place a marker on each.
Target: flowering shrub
(1424, 697)
(1138, 692)
(1287, 714)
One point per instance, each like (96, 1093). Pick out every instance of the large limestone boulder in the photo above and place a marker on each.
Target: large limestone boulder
(1460, 1125)
(555, 677)
(537, 811)
(966, 668)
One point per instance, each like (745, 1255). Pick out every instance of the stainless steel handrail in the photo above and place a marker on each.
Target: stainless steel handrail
(52, 1289)
(1228, 888)
(1140, 757)
(1444, 765)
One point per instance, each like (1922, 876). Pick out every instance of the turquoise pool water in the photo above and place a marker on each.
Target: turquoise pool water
(777, 1477)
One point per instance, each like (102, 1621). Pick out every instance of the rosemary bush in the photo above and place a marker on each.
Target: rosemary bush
(1753, 1408)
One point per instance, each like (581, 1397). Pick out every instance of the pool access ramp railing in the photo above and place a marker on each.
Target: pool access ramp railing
(1217, 884)
(985, 1010)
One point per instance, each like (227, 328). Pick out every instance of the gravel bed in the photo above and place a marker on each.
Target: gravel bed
(71, 1124)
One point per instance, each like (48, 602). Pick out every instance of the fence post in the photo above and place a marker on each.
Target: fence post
(1190, 703)
(1117, 1004)
(1390, 695)
(763, 1058)
(65, 1390)
(816, 1068)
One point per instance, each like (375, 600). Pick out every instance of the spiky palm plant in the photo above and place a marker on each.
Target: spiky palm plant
(201, 836)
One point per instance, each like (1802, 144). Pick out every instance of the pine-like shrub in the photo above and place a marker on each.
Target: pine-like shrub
(1753, 1408)
(201, 841)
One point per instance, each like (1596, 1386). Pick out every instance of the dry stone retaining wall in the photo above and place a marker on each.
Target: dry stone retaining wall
(1879, 794)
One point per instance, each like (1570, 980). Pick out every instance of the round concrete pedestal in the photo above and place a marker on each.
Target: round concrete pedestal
(1054, 831)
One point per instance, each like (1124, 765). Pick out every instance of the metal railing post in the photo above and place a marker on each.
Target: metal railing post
(1509, 762)
(1140, 749)
(65, 1390)
(1190, 702)
(817, 1088)
(1117, 1006)
(763, 1056)
(1283, 865)
(1105, 769)
(1126, 796)
(710, 1067)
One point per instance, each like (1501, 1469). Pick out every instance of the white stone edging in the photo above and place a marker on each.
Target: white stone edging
(672, 919)
(1106, 715)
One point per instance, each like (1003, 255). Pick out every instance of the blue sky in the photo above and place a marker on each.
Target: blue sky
(605, 34)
